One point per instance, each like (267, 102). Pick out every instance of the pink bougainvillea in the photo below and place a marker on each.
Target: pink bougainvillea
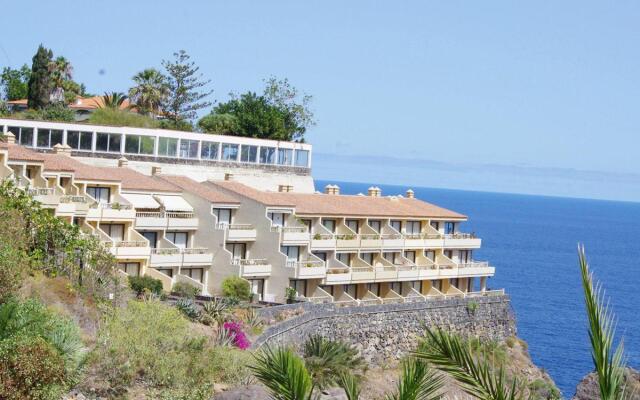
(239, 337)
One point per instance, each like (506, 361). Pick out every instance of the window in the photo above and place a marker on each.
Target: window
(152, 237)
(435, 225)
(449, 228)
(167, 271)
(257, 287)
(330, 224)
(238, 250)
(115, 231)
(80, 140)
(167, 147)
(307, 223)
(437, 284)
(193, 273)
(375, 225)
(135, 144)
(465, 256)
(374, 288)
(351, 290)
(188, 148)
(209, 151)
(229, 152)
(223, 214)
(24, 136)
(396, 287)
(410, 255)
(353, 225)
(285, 156)
(277, 219)
(368, 257)
(100, 194)
(300, 286)
(344, 258)
(430, 254)
(109, 142)
(292, 252)
(130, 268)
(249, 153)
(397, 225)
(302, 158)
(48, 138)
(413, 227)
(180, 239)
(390, 256)
(417, 285)
(321, 255)
(267, 155)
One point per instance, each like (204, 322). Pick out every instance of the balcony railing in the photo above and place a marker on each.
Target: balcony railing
(188, 250)
(195, 250)
(165, 251)
(250, 261)
(145, 214)
(41, 191)
(73, 199)
(474, 264)
(304, 264)
(130, 243)
(180, 215)
(116, 206)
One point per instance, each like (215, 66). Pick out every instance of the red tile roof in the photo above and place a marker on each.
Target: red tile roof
(341, 205)
(201, 190)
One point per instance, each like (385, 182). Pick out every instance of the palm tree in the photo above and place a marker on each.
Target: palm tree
(60, 71)
(149, 91)
(448, 353)
(417, 382)
(113, 100)
(283, 373)
(328, 360)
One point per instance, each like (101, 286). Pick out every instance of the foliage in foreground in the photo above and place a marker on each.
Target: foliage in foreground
(236, 287)
(143, 284)
(152, 341)
(116, 117)
(40, 352)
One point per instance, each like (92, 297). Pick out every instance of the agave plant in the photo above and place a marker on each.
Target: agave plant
(252, 320)
(188, 308)
(223, 337)
(216, 310)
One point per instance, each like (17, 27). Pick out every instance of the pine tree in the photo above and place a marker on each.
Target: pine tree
(184, 82)
(39, 82)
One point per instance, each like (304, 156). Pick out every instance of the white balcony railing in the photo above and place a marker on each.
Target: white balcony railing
(304, 264)
(115, 206)
(250, 261)
(73, 199)
(41, 191)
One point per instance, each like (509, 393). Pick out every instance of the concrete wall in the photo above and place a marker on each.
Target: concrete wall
(387, 332)
(263, 177)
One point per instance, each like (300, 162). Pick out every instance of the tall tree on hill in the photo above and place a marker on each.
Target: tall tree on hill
(150, 91)
(39, 89)
(186, 94)
(60, 71)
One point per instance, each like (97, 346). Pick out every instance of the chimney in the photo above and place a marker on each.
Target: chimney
(156, 170)
(410, 194)
(62, 149)
(285, 188)
(332, 189)
(374, 191)
(10, 137)
(228, 176)
(123, 162)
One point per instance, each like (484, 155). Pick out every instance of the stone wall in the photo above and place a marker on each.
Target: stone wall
(387, 332)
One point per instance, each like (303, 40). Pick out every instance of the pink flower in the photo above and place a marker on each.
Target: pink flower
(239, 338)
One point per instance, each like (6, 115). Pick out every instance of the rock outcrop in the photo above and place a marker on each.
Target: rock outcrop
(587, 389)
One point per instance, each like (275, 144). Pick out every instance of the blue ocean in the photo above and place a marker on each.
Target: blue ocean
(532, 240)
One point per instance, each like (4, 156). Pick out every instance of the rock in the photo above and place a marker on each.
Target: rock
(588, 389)
(74, 395)
(220, 387)
(250, 392)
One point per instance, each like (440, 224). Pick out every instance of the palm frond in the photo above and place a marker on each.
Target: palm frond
(351, 386)
(448, 353)
(283, 373)
(609, 364)
(327, 359)
(418, 382)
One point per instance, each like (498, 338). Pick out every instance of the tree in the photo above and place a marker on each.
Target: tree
(39, 88)
(113, 100)
(279, 113)
(184, 83)
(15, 82)
(150, 91)
(328, 360)
(60, 71)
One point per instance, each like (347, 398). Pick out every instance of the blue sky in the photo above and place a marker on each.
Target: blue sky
(498, 91)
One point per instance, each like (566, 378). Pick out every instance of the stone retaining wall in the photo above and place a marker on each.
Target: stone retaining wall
(387, 332)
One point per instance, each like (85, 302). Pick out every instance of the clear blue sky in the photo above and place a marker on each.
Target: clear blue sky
(543, 86)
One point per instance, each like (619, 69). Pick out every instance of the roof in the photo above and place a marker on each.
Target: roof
(342, 205)
(133, 180)
(204, 191)
(21, 153)
(80, 103)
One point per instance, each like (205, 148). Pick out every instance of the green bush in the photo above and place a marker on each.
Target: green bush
(185, 290)
(152, 341)
(30, 368)
(14, 261)
(54, 112)
(140, 284)
(116, 117)
(236, 287)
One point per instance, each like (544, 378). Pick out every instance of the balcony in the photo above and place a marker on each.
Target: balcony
(79, 204)
(48, 197)
(129, 249)
(338, 276)
(392, 241)
(166, 257)
(295, 235)
(181, 220)
(151, 220)
(475, 268)
(370, 241)
(111, 212)
(323, 241)
(363, 274)
(349, 241)
(239, 232)
(196, 256)
(309, 269)
(253, 267)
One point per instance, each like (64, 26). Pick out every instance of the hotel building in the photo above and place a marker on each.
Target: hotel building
(196, 208)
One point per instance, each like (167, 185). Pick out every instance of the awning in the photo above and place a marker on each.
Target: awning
(174, 203)
(141, 200)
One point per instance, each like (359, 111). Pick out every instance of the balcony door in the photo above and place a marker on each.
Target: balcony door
(100, 194)
(238, 250)
(115, 231)
(410, 255)
(257, 288)
(223, 214)
(130, 268)
(179, 239)
(152, 237)
(277, 219)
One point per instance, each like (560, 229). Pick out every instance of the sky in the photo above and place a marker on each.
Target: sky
(538, 97)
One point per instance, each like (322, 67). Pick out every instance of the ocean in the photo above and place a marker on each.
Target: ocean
(532, 242)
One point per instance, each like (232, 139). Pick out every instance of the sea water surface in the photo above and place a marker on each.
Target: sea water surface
(531, 240)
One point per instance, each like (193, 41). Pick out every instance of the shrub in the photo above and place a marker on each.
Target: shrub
(140, 284)
(236, 287)
(188, 308)
(239, 337)
(116, 117)
(184, 289)
(13, 257)
(54, 112)
(216, 310)
(472, 306)
(30, 368)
